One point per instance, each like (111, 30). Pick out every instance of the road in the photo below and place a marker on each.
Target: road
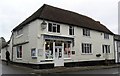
(100, 71)
(13, 69)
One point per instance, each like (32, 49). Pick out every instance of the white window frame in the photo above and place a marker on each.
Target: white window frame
(34, 50)
(54, 25)
(86, 32)
(106, 36)
(106, 48)
(48, 52)
(67, 50)
(71, 28)
(18, 52)
(86, 48)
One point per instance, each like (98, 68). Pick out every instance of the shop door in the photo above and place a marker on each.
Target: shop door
(59, 60)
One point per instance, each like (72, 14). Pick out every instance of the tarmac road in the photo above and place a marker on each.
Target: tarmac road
(14, 69)
(100, 71)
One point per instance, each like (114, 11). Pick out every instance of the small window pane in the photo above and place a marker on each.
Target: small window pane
(54, 28)
(33, 52)
(58, 28)
(50, 27)
(71, 30)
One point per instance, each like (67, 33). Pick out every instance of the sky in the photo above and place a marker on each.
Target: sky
(13, 12)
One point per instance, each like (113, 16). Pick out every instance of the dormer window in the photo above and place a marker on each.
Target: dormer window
(52, 27)
(106, 36)
(86, 32)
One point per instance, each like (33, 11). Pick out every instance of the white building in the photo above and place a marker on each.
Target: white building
(117, 48)
(57, 36)
(2, 44)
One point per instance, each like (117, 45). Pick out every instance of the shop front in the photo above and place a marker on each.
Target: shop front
(57, 48)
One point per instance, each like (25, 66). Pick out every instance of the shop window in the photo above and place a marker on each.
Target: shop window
(49, 50)
(67, 49)
(19, 51)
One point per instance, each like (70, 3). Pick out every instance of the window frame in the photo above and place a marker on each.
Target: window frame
(48, 50)
(106, 36)
(71, 30)
(51, 27)
(106, 49)
(86, 48)
(35, 50)
(86, 32)
(67, 50)
(18, 54)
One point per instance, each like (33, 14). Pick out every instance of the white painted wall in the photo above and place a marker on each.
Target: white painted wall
(34, 34)
(96, 39)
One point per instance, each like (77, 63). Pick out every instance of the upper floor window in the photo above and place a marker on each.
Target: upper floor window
(106, 48)
(86, 32)
(52, 27)
(19, 51)
(19, 32)
(71, 30)
(86, 48)
(106, 36)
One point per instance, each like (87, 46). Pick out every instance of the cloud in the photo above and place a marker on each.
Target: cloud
(13, 12)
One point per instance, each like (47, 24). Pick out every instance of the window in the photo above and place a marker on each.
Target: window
(67, 50)
(53, 27)
(33, 52)
(118, 43)
(106, 36)
(71, 30)
(86, 48)
(86, 32)
(19, 32)
(106, 48)
(49, 49)
(19, 51)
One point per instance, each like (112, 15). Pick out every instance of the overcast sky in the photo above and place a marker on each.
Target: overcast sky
(13, 12)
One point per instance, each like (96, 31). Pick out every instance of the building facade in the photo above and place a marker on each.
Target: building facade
(117, 48)
(57, 36)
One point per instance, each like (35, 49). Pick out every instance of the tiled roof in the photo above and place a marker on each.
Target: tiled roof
(117, 37)
(55, 14)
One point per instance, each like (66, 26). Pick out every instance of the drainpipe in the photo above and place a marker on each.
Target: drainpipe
(12, 44)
